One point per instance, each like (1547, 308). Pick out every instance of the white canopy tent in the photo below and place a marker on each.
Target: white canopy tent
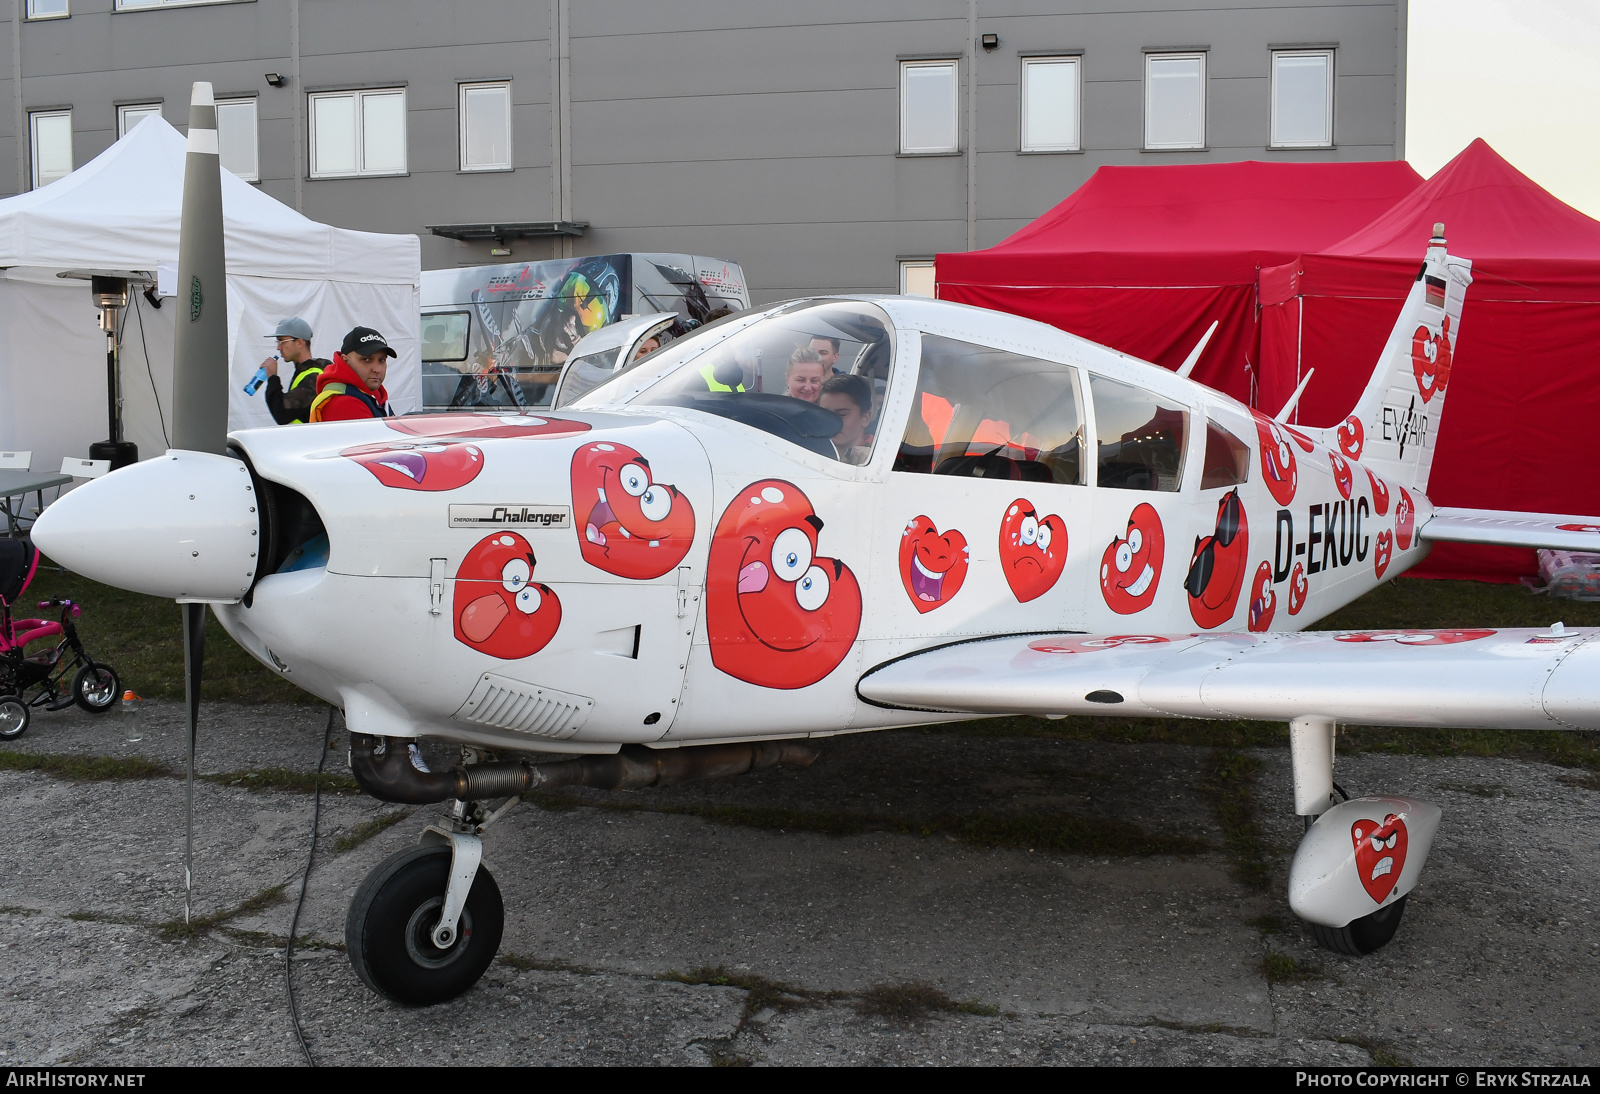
(120, 212)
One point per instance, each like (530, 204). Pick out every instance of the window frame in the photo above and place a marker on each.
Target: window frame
(33, 143)
(466, 341)
(461, 126)
(360, 95)
(954, 64)
(1154, 56)
(31, 16)
(1076, 61)
(1328, 114)
(122, 112)
(254, 101)
(120, 6)
(916, 264)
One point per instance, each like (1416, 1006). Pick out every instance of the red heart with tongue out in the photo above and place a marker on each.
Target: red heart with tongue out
(932, 566)
(1380, 854)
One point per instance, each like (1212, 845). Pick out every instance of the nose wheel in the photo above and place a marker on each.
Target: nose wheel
(1361, 936)
(392, 931)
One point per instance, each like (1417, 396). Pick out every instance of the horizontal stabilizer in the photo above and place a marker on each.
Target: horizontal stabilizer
(1466, 679)
(1505, 528)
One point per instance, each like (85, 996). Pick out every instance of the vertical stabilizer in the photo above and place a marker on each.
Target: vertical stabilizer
(1393, 427)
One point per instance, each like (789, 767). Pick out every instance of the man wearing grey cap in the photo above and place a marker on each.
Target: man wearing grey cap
(294, 347)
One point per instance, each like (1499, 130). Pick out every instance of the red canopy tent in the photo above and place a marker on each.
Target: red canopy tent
(1142, 259)
(1524, 389)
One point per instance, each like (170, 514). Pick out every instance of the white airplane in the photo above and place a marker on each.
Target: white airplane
(688, 572)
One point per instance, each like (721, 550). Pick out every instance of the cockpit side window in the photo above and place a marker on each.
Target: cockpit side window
(814, 374)
(980, 412)
(1227, 460)
(1140, 436)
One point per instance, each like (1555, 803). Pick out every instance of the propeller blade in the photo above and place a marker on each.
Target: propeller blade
(200, 350)
(194, 654)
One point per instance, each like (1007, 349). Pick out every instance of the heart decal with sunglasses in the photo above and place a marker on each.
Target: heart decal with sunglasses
(1217, 568)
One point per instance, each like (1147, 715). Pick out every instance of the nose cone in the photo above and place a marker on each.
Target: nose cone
(182, 526)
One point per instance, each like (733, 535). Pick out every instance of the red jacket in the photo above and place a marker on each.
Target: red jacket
(338, 405)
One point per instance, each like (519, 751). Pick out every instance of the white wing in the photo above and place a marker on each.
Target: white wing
(1506, 528)
(1501, 679)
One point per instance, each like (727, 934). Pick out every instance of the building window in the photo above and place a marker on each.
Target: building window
(358, 133)
(47, 9)
(916, 278)
(1302, 98)
(130, 116)
(138, 5)
(486, 127)
(1050, 104)
(51, 132)
(236, 138)
(1174, 100)
(927, 107)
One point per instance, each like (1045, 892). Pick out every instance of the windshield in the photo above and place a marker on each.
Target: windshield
(813, 373)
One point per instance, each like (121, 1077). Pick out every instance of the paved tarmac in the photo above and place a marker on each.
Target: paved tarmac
(881, 906)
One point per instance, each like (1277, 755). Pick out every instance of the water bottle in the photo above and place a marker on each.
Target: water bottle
(253, 385)
(132, 717)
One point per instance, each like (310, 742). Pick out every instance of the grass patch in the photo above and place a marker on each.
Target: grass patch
(177, 929)
(1280, 968)
(1230, 782)
(1382, 1055)
(83, 768)
(1065, 834)
(281, 778)
(913, 1001)
(142, 638)
(367, 829)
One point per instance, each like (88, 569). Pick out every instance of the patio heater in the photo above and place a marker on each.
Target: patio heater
(111, 296)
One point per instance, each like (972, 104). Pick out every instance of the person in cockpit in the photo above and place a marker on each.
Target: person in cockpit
(803, 378)
(850, 397)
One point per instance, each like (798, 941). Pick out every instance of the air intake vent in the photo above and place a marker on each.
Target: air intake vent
(525, 708)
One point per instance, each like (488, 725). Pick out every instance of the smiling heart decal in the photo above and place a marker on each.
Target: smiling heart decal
(1351, 437)
(1380, 854)
(1130, 568)
(1430, 359)
(932, 566)
(1299, 589)
(1033, 551)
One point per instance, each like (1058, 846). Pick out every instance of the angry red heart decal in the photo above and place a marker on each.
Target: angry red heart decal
(932, 566)
(1380, 495)
(1130, 568)
(1263, 601)
(1382, 552)
(1299, 589)
(1278, 466)
(777, 614)
(499, 609)
(1430, 359)
(1380, 854)
(1405, 520)
(1351, 437)
(1033, 552)
(1343, 477)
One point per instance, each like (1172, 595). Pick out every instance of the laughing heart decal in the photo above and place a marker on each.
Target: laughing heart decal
(1130, 569)
(1430, 359)
(932, 566)
(1380, 854)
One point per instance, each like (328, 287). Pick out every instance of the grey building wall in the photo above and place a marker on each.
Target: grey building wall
(754, 130)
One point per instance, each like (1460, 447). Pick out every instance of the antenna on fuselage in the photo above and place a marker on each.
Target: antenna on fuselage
(1194, 355)
(1294, 400)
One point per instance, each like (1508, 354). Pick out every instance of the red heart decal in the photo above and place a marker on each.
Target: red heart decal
(1299, 589)
(1263, 601)
(499, 609)
(1382, 553)
(1130, 568)
(1278, 467)
(1351, 437)
(1380, 494)
(1405, 520)
(1416, 638)
(1343, 477)
(1380, 854)
(1033, 552)
(932, 566)
(1091, 645)
(1430, 359)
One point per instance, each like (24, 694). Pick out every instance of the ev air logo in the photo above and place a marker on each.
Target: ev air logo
(500, 516)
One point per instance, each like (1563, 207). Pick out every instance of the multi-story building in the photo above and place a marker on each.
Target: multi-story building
(831, 145)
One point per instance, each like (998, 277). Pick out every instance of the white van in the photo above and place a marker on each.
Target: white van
(499, 335)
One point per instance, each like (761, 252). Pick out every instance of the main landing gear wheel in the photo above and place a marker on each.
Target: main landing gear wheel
(96, 688)
(389, 931)
(1362, 936)
(13, 717)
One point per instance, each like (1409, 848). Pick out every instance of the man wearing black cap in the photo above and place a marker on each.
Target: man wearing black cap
(293, 406)
(352, 387)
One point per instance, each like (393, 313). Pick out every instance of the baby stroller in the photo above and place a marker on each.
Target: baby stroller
(95, 687)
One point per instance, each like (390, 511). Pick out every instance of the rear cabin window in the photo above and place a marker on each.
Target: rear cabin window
(993, 414)
(1140, 437)
(1227, 461)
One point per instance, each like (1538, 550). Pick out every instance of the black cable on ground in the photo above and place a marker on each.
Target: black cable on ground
(305, 883)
